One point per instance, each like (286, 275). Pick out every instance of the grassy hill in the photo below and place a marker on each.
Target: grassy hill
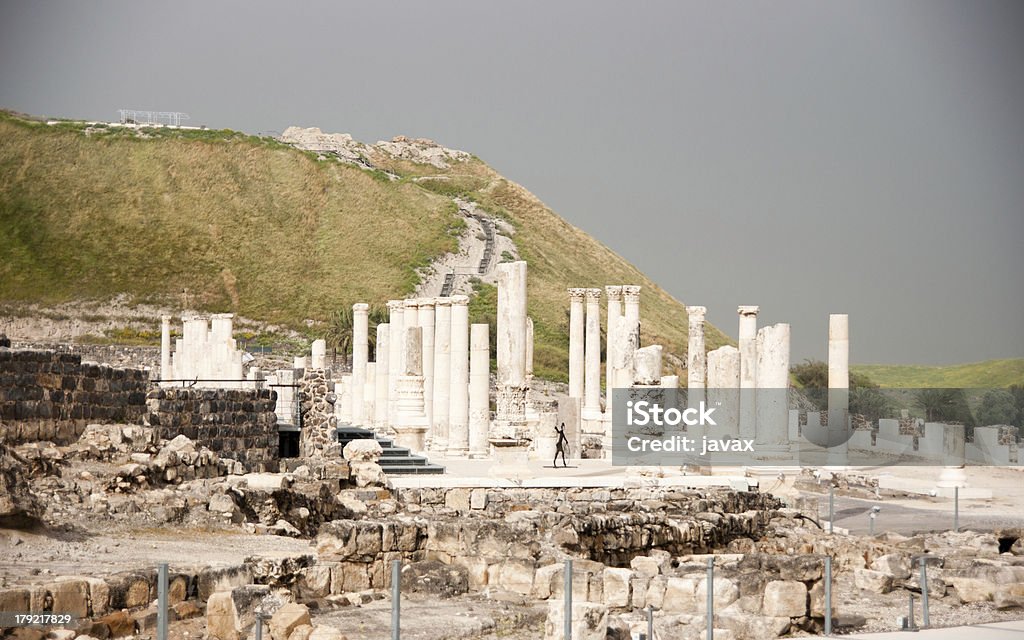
(222, 221)
(987, 374)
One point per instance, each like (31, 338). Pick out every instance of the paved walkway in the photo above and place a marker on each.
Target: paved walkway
(988, 631)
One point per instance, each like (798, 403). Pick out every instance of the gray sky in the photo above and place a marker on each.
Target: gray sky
(811, 157)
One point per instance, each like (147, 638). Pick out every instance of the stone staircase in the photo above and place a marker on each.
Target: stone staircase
(395, 460)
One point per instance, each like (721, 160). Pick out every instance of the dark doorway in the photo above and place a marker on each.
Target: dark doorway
(288, 444)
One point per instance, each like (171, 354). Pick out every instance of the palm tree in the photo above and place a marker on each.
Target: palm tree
(338, 333)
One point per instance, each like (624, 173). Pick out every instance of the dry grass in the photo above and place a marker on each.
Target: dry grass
(249, 225)
(265, 231)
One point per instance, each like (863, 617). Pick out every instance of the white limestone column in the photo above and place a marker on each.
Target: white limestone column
(576, 342)
(723, 389)
(772, 408)
(382, 360)
(838, 362)
(318, 354)
(614, 293)
(412, 319)
(370, 395)
(479, 390)
(360, 355)
(165, 348)
(648, 365)
(411, 425)
(748, 369)
(592, 358)
(529, 350)
(458, 398)
(627, 337)
(696, 355)
(512, 385)
(442, 374)
(425, 318)
(396, 317)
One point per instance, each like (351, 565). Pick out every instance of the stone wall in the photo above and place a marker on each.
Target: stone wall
(233, 423)
(52, 396)
(499, 536)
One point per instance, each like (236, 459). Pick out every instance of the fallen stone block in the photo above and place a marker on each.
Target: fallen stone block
(785, 598)
(287, 618)
(589, 621)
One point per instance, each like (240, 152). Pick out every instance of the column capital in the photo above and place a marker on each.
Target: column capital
(631, 292)
(748, 310)
(696, 313)
(395, 305)
(426, 302)
(460, 300)
(222, 316)
(360, 307)
(411, 303)
(442, 302)
(576, 294)
(165, 318)
(614, 292)
(593, 295)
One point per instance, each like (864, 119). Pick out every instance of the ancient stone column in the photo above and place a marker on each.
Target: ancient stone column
(396, 340)
(954, 452)
(647, 370)
(529, 350)
(425, 319)
(479, 390)
(165, 348)
(318, 354)
(458, 399)
(511, 392)
(411, 425)
(342, 401)
(696, 356)
(748, 369)
(838, 380)
(370, 394)
(382, 358)
(360, 355)
(723, 389)
(614, 293)
(592, 358)
(627, 337)
(442, 374)
(411, 318)
(772, 407)
(576, 342)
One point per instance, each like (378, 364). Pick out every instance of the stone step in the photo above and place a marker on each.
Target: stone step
(395, 459)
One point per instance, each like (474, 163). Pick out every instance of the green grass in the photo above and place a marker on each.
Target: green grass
(227, 221)
(987, 374)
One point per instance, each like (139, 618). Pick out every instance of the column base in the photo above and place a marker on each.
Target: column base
(412, 437)
(511, 458)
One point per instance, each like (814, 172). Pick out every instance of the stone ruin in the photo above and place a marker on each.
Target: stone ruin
(89, 448)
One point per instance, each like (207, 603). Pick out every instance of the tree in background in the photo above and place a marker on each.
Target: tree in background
(339, 332)
(865, 397)
(998, 406)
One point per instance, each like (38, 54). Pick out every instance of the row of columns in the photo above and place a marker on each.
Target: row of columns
(439, 353)
(621, 341)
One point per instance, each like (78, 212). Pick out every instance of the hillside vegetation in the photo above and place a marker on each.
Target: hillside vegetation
(975, 375)
(222, 221)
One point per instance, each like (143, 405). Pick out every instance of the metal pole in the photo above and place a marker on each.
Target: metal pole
(924, 593)
(828, 595)
(956, 509)
(871, 524)
(161, 611)
(711, 598)
(831, 508)
(396, 599)
(650, 622)
(567, 616)
(259, 626)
